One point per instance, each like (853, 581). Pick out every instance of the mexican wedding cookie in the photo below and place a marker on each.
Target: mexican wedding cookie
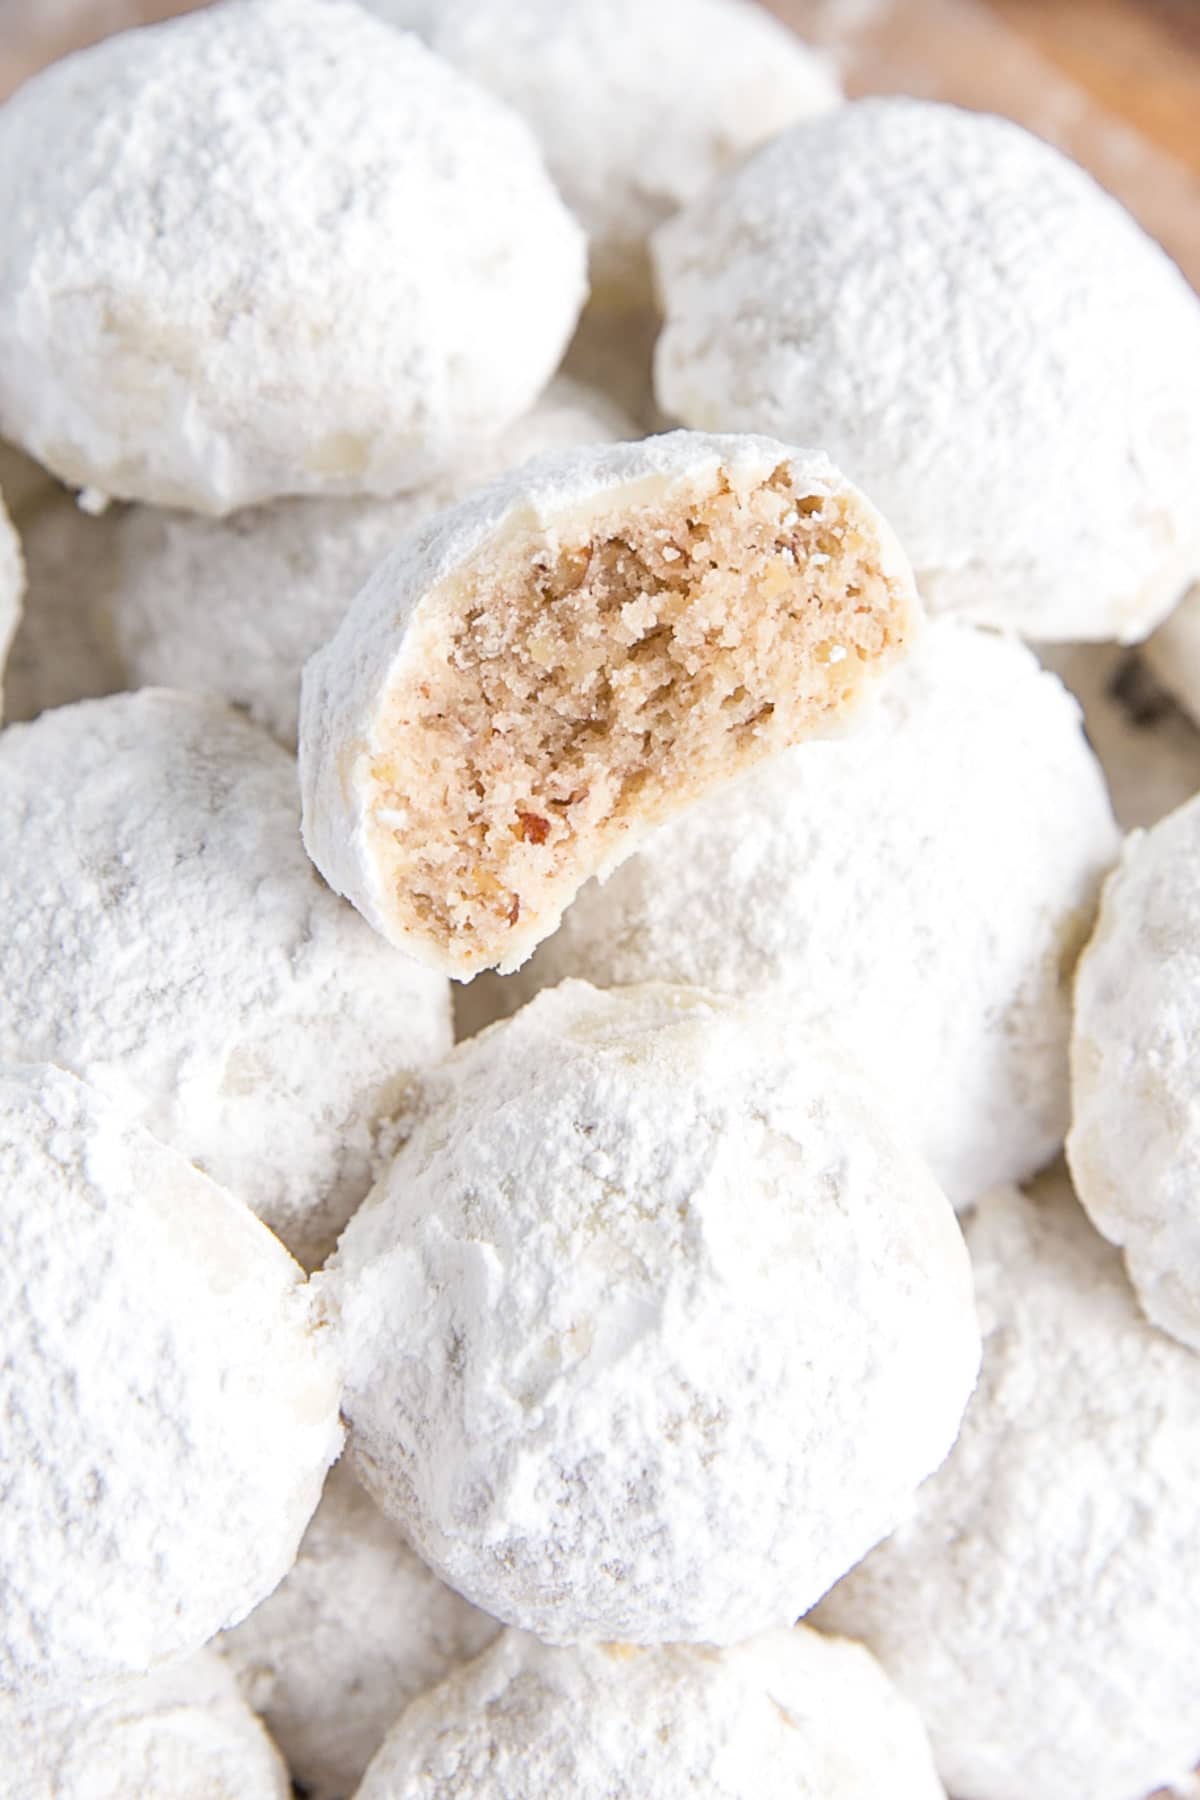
(651, 1330)
(163, 935)
(12, 583)
(169, 1392)
(923, 884)
(271, 248)
(789, 1716)
(964, 319)
(237, 606)
(356, 1630)
(1039, 1606)
(182, 1734)
(637, 107)
(1134, 1146)
(585, 646)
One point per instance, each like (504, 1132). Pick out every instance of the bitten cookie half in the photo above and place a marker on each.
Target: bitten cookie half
(573, 654)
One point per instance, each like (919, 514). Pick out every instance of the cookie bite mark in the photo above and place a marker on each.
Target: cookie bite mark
(686, 609)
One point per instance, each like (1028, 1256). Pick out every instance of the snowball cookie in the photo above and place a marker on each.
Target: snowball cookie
(64, 648)
(169, 1391)
(573, 653)
(651, 1330)
(1148, 748)
(12, 586)
(1134, 1145)
(1039, 1606)
(184, 1733)
(637, 107)
(789, 1716)
(271, 248)
(237, 606)
(1173, 653)
(989, 342)
(356, 1630)
(163, 935)
(925, 883)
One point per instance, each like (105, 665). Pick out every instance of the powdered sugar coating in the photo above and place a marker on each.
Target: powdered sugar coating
(789, 1716)
(63, 649)
(237, 606)
(163, 935)
(974, 329)
(401, 626)
(651, 1330)
(356, 1630)
(182, 1734)
(1038, 1608)
(923, 884)
(1173, 653)
(271, 248)
(1134, 1144)
(636, 107)
(12, 586)
(169, 1392)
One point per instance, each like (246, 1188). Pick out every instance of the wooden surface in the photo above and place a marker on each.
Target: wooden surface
(1116, 83)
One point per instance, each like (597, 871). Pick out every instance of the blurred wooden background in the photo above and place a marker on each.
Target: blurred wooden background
(1114, 82)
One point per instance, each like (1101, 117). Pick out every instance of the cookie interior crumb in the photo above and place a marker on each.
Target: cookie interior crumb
(607, 673)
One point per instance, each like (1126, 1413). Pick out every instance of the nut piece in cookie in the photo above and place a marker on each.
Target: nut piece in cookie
(577, 652)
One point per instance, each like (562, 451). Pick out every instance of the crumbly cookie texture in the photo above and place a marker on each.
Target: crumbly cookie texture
(1134, 1145)
(574, 653)
(170, 1396)
(1039, 1606)
(962, 317)
(788, 1716)
(355, 1631)
(12, 587)
(271, 248)
(1147, 746)
(924, 883)
(163, 935)
(636, 107)
(237, 606)
(651, 1330)
(64, 648)
(1173, 653)
(182, 1734)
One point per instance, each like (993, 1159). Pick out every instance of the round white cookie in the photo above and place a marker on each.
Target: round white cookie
(1134, 1144)
(789, 1716)
(237, 606)
(271, 248)
(1039, 1606)
(163, 935)
(356, 1630)
(1173, 653)
(169, 1390)
(12, 587)
(575, 652)
(182, 1734)
(651, 1330)
(636, 107)
(923, 883)
(978, 333)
